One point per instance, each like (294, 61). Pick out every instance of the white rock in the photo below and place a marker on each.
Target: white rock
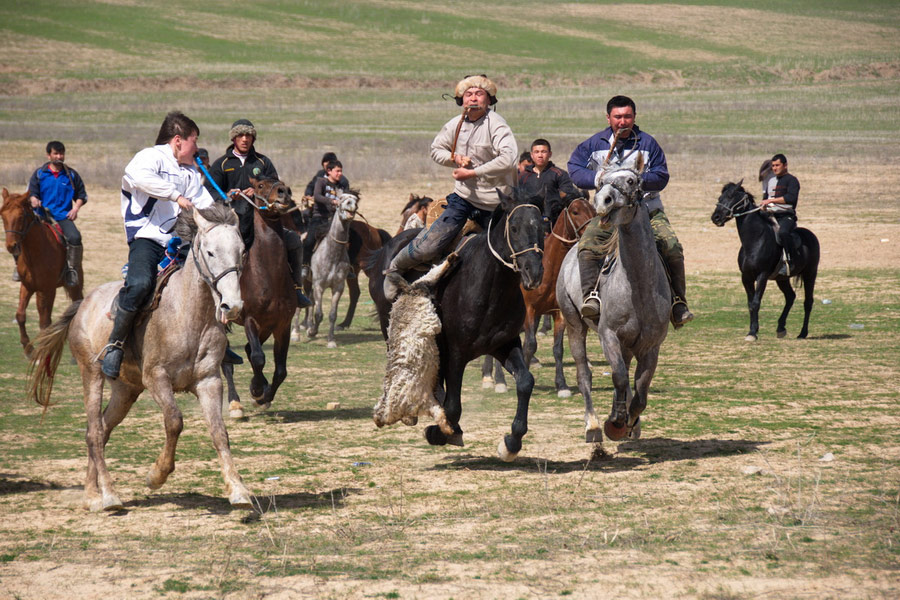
(827, 457)
(750, 470)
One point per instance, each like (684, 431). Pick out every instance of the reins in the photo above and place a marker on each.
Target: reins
(512, 251)
(744, 201)
(576, 230)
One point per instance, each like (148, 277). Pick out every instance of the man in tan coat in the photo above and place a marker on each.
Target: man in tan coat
(483, 161)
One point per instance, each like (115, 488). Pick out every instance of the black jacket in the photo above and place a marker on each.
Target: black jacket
(552, 188)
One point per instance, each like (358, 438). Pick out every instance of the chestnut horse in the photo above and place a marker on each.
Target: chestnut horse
(41, 261)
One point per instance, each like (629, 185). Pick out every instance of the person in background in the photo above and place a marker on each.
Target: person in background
(311, 186)
(524, 161)
(326, 195)
(549, 183)
(782, 204)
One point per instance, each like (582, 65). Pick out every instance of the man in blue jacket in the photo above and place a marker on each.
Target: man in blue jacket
(59, 191)
(623, 141)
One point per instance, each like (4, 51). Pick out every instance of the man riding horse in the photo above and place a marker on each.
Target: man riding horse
(480, 148)
(782, 205)
(232, 172)
(619, 145)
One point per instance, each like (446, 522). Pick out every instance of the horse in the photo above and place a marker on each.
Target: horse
(760, 256)
(480, 305)
(267, 291)
(542, 300)
(365, 240)
(636, 300)
(177, 347)
(40, 259)
(330, 264)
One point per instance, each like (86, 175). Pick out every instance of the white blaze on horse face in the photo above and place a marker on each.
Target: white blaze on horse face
(223, 250)
(348, 206)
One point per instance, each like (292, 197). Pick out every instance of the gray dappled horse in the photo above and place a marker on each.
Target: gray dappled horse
(178, 347)
(636, 301)
(330, 264)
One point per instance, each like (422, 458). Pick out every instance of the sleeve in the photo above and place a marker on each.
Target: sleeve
(270, 170)
(319, 194)
(578, 166)
(34, 184)
(568, 188)
(143, 173)
(440, 146)
(197, 193)
(311, 186)
(656, 176)
(217, 174)
(504, 141)
(792, 193)
(78, 185)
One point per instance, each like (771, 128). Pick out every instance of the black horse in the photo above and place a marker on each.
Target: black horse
(481, 308)
(760, 256)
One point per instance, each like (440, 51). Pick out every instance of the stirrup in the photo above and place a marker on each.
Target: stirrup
(591, 306)
(687, 317)
(112, 361)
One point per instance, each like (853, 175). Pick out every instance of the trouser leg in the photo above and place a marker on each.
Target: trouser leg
(74, 252)
(673, 255)
(591, 252)
(294, 250)
(786, 226)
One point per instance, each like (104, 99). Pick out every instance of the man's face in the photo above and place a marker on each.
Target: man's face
(779, 168)
(541, 156)
(476, 98)
(56, 157)
(334, 175)
(185, 149)
(620, 117)
(243, 142)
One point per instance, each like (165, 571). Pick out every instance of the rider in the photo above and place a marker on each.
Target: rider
(159, 183)
(546, 181)
(484, 161)
(782, 204)
(586, 166)
(326, 194)
(311, 186)
(60, 191)
(232, 172)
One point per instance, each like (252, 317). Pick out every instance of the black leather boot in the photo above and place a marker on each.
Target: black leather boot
(115, 349)
(681, 314)
(589, 267)
(295, 262)
(74, 255)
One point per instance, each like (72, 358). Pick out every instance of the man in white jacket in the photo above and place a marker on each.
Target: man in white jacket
(483, 160)
(159, 183)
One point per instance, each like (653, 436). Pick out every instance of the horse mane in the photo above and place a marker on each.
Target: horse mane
(217, 214)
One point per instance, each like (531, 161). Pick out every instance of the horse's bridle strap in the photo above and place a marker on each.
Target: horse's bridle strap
(512, 251)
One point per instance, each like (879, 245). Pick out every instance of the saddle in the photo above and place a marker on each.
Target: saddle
(152, 303)
(436, 209)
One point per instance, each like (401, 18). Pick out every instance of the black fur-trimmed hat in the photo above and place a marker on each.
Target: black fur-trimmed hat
(240, 127)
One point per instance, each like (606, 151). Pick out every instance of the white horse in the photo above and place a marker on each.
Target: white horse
(636, 301)
(330, 264)
(178, 347)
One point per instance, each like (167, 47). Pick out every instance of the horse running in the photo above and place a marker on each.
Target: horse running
(178, 347)
(480, 305)
(636, 302)
(268, 296)
(41, 261)
(760, 255)
(330, 264)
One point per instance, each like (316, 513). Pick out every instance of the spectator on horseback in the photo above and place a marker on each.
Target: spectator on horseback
(619, 145)
(782, 205)
(326, 195)
(58, 191)
(311, 186)
(232, 172)
(545, 181)
(158, 184)
(418, 213)
(480, 148)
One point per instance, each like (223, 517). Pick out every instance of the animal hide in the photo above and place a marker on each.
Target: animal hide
(412, 356)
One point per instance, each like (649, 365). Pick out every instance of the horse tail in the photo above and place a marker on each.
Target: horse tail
(48, 349)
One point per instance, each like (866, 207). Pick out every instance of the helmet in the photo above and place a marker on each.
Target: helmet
(476, 81)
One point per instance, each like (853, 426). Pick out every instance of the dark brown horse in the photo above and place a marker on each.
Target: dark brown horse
(268, 294)
(41, 261)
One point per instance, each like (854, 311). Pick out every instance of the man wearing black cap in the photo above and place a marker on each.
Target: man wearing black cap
(232, 172)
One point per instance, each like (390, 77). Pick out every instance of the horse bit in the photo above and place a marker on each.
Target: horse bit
(576, 230)
(512, 251)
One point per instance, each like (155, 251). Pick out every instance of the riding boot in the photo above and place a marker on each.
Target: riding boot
(295, 260)
(74, 255)
(589, 267)
(393, 275)
(115, 349)
(681, 314)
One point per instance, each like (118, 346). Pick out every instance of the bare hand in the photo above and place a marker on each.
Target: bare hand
(462, 161)
(462, 174)
(184, 203)
(35, 202)
(72, 214)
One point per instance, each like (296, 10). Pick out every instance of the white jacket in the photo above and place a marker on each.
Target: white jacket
(152, 183)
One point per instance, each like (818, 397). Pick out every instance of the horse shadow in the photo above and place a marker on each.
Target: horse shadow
(297, 416)
(656, 450)
(831, 336)
(542, 465)
(10, 484)
(262, 503)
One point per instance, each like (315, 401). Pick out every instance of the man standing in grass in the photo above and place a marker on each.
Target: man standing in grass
(59, 191)
(620, 144)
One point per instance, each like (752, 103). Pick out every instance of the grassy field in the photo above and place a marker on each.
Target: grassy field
(729, 495)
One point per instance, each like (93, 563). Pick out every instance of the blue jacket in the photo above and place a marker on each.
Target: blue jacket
(57, 192)
(590, 154)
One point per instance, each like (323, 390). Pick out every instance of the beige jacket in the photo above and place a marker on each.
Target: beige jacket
(490, 143)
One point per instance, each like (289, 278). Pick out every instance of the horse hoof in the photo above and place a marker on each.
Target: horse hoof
(236, 413)
(155, 479)
(504, 453)
(265, 405)
(593, 436)
(535, 363)
(781, 333)
(500, 388)
(487, 383)
(435, 436)
(240, 499)
(635, 433)
(613, 431)
(456, 440)
(341, 327)
(331, 344)
(112, 502)
(750, 338)
(93, 504)
(802, 336)
(295, 336)
(566, 393)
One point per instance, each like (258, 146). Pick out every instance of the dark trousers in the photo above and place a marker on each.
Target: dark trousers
(70, 232)
(143, 258)
(318, 228)
(435, 240)
(786, 226)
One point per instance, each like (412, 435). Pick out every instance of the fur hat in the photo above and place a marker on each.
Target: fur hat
(240, 127)
(476, 81)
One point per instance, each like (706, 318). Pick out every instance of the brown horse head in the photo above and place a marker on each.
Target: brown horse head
(17, 217)
(273, 194)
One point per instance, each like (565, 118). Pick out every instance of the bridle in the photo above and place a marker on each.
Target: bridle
(264, 203)
(210, 280)
(31, 222)
(740, 204)
(352, 214)
(575, 230)
(513, 254)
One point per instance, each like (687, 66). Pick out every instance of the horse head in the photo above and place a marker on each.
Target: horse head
(348, 204)
(573, 219)
(17, 218)
(273, 195)
(520, 243)
(217, 251)
(734, 198)
(620, 188)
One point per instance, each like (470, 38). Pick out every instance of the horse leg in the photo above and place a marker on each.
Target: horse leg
(235, 410)
(296, 324)
(353, 290)
(281, 340)
(789, 296)
(209, 393)
(313, 323)
(453, 375)
(44, 302)
(578, 347)
(616, 422)
(24, 298)
(532, 321)
(499, 377)
(809, 286)
(99, 492)
(754, 286)
(162, 467)
(487, 372)
(643, 375)
(562, 388)
(511, 444)
(257, 356)
(333, 313)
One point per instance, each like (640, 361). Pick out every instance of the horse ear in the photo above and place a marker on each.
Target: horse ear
(5, 193)
(506, 202)
(741, 182)
(198, 219)
(639, 163)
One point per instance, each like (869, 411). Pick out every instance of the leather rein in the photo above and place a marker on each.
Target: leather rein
(512, 251)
